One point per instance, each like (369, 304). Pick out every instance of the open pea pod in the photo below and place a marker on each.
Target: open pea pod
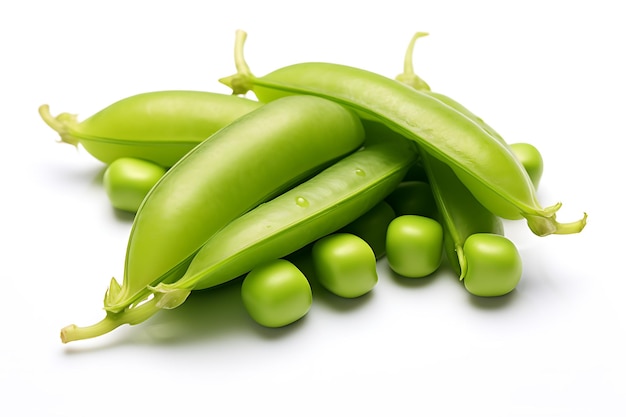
(484, 164)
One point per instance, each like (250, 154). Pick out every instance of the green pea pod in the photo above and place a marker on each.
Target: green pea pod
(320, 206)
(485, 165)
(244, 164)
(474, 240)
(459, 212)
(159, 126)
(527, 154)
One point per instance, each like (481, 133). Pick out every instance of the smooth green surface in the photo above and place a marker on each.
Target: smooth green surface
(345, 265)
(276, 293)
(239, 167)
(322, 205)
(413, 197)
(127, 181)
(483, 163)
(160, 126)
(531, 159)
(372, 227)
(414, 246)
(494, 265)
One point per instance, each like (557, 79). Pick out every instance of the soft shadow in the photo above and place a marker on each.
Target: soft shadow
(411, 282)
(123, 216)
(209, 314)
(492, 303)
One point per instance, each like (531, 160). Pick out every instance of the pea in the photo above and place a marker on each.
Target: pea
(372, 227)
(127, 181)
(276, 293)
(531, 159)
(414, 246)
(494, 266)
(413, 197)
(345, 265)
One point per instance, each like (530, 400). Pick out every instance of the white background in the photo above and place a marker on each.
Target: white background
(546, 72)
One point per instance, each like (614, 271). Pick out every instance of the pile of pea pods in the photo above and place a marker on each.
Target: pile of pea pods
(344, 165)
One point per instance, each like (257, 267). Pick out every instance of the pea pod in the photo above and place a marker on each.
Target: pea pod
(320, 206)
(486, 261)
(459, 212)
(485, 165)
(300, 216)
(159, 126)
(526, 153)
(242, 165)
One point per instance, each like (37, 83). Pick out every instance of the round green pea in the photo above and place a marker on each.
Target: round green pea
(276, 293)
(372, 227)
(414, 245)
(128, 180)
(413, 197)
(531, 159)
(345, 265)
(494, 266)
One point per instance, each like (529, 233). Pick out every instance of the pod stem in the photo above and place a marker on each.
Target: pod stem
(133, 315)
(61, 124)
(240, 82)
(409, 77)
(548, 225)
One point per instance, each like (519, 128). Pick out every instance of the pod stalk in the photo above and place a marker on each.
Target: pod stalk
(60, 124)
(133, 315)
(409, 77)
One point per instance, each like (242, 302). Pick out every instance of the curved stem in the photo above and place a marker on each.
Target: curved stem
(60, 124)
(544, 226)
(131, 316)
(239, 82)
(408, 76)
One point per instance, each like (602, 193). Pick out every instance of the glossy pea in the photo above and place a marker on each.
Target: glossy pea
(486, 166)
(276, 293)
(320, 206)
(345, 265)
(127, 181)
(372, 227)
(494, 266)
(414, 246)
(531, 159)
(159, 126)
(413, 197)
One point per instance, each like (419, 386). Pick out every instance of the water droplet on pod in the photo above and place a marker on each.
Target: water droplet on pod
(302, 202)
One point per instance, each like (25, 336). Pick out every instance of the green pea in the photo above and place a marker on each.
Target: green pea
(372, 227)
(127, 182)
(414, 246)
(345, 265)
(531, 159)
(413, 197)
(494, 266)
(276, 293)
